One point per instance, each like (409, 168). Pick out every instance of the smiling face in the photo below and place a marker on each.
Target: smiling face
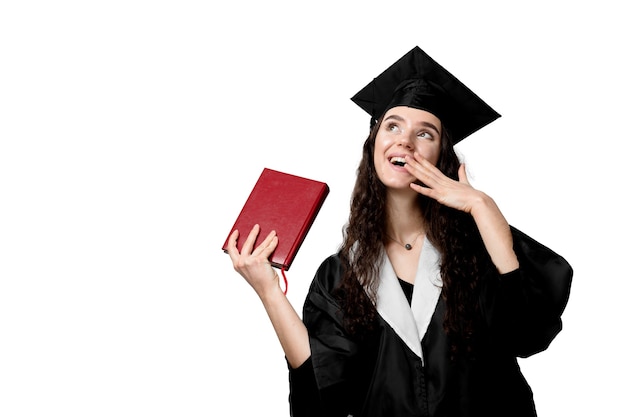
(403, 131)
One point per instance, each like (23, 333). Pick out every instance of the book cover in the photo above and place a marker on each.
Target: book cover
(285, 203)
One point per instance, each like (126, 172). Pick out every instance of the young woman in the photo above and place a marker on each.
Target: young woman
(432, 296)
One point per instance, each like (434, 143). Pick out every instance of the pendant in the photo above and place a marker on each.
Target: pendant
(408, 246)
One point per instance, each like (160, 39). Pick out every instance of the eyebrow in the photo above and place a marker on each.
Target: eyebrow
(423, 123)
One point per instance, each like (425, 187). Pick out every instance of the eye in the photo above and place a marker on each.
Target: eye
(393, 127)
(425, 135)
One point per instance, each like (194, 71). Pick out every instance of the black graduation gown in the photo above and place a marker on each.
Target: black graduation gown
(520, 312)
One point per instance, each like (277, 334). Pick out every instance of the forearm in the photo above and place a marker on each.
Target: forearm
(496, 233)
(291, 331)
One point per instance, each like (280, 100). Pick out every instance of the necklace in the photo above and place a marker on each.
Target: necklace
(407, 246)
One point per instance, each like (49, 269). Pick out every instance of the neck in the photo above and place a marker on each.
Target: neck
(405, 220)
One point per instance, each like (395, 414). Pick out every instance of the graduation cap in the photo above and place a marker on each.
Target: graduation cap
(417, 81)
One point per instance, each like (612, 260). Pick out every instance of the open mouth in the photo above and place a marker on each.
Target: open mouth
(396, 160)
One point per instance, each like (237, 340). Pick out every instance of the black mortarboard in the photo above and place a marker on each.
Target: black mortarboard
(417, 81)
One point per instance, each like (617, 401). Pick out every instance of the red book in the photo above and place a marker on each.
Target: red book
(285, 203)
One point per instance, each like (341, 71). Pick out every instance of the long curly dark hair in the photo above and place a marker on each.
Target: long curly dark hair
(452, 232)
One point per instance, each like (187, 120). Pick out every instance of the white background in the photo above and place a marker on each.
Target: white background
(132, 131)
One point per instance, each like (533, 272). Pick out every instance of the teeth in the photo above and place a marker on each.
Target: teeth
(396, 160)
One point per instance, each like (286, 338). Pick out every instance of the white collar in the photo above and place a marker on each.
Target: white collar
(410, 322)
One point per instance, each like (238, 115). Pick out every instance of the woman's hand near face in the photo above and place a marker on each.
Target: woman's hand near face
(253, 264)
(459, 194)
(493, 227)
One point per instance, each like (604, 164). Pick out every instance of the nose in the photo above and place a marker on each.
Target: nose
(405, 141)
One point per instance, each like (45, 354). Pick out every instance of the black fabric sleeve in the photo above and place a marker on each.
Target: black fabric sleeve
(303, 393)
(523, 308)
(319, 386)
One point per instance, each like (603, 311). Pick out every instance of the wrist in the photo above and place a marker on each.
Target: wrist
(480, 203)
(272, 292)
